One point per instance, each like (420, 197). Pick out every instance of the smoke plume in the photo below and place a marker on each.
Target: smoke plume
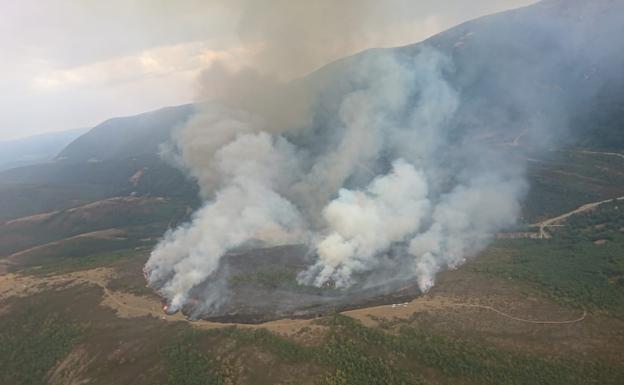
(358, 161)
(373, 181)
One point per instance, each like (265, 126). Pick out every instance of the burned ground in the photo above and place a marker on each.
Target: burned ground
(433, 339)
(525, 311)
(262, 286)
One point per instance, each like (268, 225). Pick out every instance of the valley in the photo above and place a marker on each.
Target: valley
(447, 212)
(480, 313)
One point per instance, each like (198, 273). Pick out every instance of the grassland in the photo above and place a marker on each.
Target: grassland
(350, 353)
(31, 344)
(563, 180)
(83, 262)
(147, 350)
(583, 265)
(187, 365)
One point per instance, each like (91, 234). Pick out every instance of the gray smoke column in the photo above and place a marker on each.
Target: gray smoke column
(245, 172)
(379, 172)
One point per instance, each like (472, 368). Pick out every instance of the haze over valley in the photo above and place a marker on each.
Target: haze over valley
(331, 203)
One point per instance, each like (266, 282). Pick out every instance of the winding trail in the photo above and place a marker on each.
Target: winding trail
(120, 303)
(616, 154)
(490, 308)
(129, 305)
(178, 317)
(561, 218)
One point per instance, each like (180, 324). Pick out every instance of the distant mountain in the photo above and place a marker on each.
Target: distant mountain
(104, 214)
(118, 157)
(59, 185)
(126, 137)
(555, 66)
(35, 149)
(556, 63)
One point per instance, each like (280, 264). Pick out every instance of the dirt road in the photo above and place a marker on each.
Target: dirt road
(128, 305)
(561, 218)
(490, 308)
(616, 154)
(133, 306)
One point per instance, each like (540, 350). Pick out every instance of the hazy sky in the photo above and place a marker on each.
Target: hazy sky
(73, 63)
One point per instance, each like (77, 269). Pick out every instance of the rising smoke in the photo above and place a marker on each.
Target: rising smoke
(356, 161)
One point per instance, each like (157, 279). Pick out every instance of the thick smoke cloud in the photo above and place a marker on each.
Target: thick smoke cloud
(285, 40)
(295, 37)
(245, 170)
(375, 163)
(368, 179)
(363, 224)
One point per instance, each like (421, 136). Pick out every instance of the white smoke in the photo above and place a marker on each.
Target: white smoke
(247, 172)
(378, 175)
(366, 223)
(463, 222)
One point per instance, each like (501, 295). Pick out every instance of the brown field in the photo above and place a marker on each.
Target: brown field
(128, 328)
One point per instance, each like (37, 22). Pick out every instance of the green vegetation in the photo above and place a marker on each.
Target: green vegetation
(76, 252)
(20, 200)
(346, 359)
(284, 349)
(564, 180)
(31, 345)
(351, 353)
(187, 365)
(604, 115)
(120, 213)
(54, 186)
(70, 264)
(413, 349)
(582, 265)
(604, 222)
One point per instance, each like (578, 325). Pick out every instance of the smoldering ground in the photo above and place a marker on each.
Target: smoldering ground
(353, 184)
(376, 164)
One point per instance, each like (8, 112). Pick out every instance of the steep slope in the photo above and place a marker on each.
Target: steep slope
(26, 232)
(59, 185)
(115, 158)
(549, 68)
(552, 69)
(524, 77)
(126, 137)
(527, 312)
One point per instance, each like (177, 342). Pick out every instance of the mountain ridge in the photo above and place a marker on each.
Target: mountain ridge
(127, 136)
(522, 37)
(35, 149)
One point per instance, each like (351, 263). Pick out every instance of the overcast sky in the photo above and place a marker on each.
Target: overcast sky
(73, 63)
